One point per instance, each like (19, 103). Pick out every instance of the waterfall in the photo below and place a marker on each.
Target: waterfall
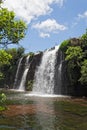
(59, 78)
(23, 79)
(17, 73)
(44, 75)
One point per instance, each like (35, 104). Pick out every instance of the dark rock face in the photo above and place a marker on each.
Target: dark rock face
(66, 88)
(57, 76)
(34, 63)
(61, 77)
(62, 82)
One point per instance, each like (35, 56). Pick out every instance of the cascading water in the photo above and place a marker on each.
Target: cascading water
(17, 73)
(23, 80)
(44, 75)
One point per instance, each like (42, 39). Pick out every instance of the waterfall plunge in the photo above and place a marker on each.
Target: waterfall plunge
(44, 75)
(17, 73)
(23, 80)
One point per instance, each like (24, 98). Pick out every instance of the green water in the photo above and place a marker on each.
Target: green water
(42, 113)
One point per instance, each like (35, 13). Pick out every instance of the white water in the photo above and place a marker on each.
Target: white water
(23, 80)
(44, 75)
(17, 73)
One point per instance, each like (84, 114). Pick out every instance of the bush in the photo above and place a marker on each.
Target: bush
(83, 78)
(64, 45)
(30, 85)
(2, 101)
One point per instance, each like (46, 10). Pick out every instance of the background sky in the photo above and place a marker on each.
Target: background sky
(49, 21)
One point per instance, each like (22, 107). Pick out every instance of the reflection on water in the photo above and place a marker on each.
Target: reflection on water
(39, 113)
(45, 115)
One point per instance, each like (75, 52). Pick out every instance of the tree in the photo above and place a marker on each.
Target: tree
(74, 53)
(83, 78)
(4, 60)
(73, 57)
(84, 41)
(8, 71)
(64, 45)
(11, 29)
(16, 53)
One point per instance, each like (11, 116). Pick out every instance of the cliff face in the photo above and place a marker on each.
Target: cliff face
(61, 77)
(62, 84)
(34, 63)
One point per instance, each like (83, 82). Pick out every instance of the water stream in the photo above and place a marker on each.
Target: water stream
(23, 79)
(17, 73)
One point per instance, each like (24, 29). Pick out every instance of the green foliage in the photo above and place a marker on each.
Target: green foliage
(74, 53)
(16, 52)
(7, 71)
(2, 101)
(85, 54)
(11, 30)
(74, 56)
(4, 57)
(4, 60)
(31, 54)
(73, 72)
(83, 78)
(1, 76)
(84, 37)
(84, 41)
(64, 45)
(2, 98)
(30, 85)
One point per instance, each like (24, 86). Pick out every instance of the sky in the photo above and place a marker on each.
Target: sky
(49, 22)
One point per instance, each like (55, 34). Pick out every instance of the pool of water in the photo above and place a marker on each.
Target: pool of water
(27, 112)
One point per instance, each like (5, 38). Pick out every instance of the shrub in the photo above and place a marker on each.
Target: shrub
(30, 85)
(2, 101)
(64, 45)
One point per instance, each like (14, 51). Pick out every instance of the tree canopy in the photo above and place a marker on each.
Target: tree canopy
(83, 78)
(4, 60)
(74, 53)
(12, 30)
(4, 55)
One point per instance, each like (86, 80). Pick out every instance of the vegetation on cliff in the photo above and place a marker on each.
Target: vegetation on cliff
(75, 53)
